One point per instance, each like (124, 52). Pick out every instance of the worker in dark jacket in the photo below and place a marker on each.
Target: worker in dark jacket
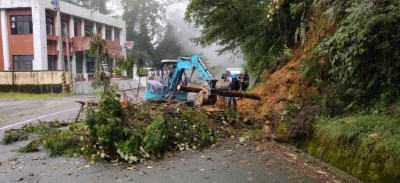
(234, 85)
(171, 72)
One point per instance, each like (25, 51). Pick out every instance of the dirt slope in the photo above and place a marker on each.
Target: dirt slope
(284, 85)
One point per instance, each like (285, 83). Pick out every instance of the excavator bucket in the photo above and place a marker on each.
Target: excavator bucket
(211, 100)
(202, 98)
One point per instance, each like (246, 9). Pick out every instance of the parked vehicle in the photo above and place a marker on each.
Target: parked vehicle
(226, 78)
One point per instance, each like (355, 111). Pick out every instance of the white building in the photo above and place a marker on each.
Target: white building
(29, 36)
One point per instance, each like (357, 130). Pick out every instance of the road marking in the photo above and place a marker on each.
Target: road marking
(47, 115)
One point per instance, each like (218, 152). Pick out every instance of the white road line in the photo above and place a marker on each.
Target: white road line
(3, 128)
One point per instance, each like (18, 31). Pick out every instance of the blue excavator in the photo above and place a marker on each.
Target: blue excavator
(167, 87)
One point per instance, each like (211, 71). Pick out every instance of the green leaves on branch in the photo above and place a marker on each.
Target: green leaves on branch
(260, 29)
(363, 52)
(156, 135)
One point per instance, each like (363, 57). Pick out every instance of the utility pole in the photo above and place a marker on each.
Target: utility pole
(71, 86)
(56, 7)
(71, 65)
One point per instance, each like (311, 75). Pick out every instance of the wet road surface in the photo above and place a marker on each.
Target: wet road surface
(227, 162)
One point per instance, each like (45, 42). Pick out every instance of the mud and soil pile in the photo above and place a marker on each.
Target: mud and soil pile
(287, 85)
(279, 88)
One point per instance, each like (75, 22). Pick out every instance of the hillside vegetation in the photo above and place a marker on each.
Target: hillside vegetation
(327, 71)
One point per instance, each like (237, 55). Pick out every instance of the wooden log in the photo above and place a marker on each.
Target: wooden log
(238, 94)
(189, 89)
(222, 92)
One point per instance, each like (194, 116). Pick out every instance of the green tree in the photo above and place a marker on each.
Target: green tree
(261, 29)
(98, 48)
(142, 19)
(168, 48)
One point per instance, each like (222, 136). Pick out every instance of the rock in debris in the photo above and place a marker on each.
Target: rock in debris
(266, 128)
(248, 121)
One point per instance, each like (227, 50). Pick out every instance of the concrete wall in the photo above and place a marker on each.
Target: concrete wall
(16, 3)
(33, 78)
(84, 87)
(128, 84)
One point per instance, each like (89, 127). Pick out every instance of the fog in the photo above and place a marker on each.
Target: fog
(185, 32)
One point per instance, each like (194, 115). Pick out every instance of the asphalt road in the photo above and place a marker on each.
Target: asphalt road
(227, 162)
(15, 113)
(221, 164)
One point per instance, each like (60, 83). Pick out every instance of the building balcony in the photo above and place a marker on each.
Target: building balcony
(55, 38)
(83, 44)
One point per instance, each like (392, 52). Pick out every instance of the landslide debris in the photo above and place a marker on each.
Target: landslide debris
(285, 93)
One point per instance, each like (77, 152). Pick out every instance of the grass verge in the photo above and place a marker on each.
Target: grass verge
(366, 146)
(24, 96)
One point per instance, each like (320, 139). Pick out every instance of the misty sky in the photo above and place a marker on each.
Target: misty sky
(175, 13)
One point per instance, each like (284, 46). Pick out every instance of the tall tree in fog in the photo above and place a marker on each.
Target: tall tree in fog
(168, 48)
(142, 19)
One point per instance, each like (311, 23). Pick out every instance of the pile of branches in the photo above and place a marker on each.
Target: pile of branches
(135, 133)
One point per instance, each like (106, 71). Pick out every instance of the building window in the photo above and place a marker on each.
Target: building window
(99, 30)
(108, 34)
(49, 25)
(64, 28)
(79, 65)
(116, 36)
(21, 24)
(22, 62)
(88, 29)
(52, 62)
(90, 64)
(75, 29)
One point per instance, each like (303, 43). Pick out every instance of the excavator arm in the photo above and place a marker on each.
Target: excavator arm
(192, 63)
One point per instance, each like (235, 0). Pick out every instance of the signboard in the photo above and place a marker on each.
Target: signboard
(56, 4)
(129, 45)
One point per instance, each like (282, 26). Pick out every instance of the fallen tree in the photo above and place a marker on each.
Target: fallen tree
(224, 93)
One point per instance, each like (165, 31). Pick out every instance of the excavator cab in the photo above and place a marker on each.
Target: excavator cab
(174, 77)
(158, 89)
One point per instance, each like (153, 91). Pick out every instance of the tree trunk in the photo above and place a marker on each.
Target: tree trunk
(222, 92)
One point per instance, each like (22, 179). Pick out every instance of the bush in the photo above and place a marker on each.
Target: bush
(363, 55)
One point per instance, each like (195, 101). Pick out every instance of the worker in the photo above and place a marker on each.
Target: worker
(234, 85)
(171, 72)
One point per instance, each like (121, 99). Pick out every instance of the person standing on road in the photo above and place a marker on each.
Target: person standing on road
(234, 85)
